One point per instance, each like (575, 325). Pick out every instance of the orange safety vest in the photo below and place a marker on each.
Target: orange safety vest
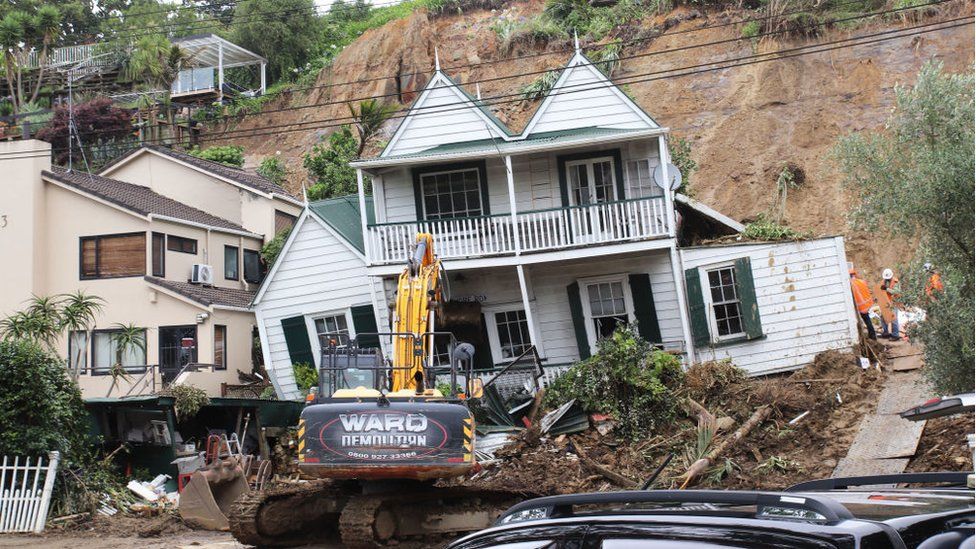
(862, 295)
(934, 285)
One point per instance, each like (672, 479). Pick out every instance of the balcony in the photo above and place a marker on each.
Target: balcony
(528, 232)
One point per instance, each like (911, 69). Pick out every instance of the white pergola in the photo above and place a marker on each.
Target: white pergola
(212, 51)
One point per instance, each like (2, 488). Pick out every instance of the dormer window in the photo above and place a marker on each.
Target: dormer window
(451, 191)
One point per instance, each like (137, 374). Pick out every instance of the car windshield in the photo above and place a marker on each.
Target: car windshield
(890, 504)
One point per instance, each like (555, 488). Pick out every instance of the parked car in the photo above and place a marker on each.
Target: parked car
(856, 512)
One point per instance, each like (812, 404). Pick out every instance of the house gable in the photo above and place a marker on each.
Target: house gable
(583, 97)
(443, 114)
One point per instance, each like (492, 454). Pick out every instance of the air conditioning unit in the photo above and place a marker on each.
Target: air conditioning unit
(202, 274)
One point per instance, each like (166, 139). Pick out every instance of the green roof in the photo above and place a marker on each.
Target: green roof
(342, 214)
(498, 146)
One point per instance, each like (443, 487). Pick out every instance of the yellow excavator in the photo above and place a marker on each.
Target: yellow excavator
(378, 433)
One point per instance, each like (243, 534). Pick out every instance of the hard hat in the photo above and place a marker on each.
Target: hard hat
(887, 274)
(852, 272)
(927, 266)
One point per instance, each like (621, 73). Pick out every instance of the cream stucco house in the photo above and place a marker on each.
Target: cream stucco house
(169, 241)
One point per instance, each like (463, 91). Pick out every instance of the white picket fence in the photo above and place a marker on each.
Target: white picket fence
(25, 492)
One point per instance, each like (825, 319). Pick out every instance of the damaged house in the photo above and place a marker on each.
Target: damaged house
(551, 238)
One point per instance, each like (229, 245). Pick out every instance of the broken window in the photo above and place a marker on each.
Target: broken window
(726, 306)
(608, 307)
(513, 333)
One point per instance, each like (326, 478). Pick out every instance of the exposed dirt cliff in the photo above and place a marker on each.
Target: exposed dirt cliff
(744, 123)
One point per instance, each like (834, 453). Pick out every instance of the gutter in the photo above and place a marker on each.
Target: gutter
(503, 150)
(178, 221)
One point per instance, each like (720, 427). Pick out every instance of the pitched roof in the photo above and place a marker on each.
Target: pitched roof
(342, 214)
(137, 199)
(491, 147)
(237, 175)
(206, 295)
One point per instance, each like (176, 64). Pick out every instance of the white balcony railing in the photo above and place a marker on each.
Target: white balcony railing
(534, 231)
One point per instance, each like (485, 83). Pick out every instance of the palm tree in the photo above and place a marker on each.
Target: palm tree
(156, 63)
(370, 118)
(126, 337)
(38, 322)
(78, 313)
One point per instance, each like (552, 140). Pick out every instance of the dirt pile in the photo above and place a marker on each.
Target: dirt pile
(943, 446)
(834, 391)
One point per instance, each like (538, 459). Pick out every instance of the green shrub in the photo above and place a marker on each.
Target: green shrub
(538, 88)
(626, 378)
(680, 149)
(306, 376)
(328, 165)
(40, 406)
(272, 249)
(274, 169)
(752, 29)
(230, 155)
(534, 31)
(188, 400)
(764, 228)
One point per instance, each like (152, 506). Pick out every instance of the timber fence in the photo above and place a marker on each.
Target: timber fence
(25, 492)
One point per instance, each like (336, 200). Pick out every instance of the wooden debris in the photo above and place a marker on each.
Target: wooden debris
(699, 467)
(613, 477)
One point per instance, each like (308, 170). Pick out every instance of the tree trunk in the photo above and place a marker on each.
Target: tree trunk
(699, 467)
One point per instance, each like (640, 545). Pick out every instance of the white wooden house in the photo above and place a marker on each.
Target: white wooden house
(555, 235)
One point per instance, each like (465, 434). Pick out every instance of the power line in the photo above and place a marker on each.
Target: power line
(646, 77)
(539, 72)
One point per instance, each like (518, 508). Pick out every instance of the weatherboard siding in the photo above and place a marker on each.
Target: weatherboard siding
(536, 178)
(804, 300)
(318, 274)
(584, 99)
(551, 308)
(442, 116)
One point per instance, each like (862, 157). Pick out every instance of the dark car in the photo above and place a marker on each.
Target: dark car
(828, 514)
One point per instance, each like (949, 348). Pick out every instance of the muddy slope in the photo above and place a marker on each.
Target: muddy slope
(744, 123)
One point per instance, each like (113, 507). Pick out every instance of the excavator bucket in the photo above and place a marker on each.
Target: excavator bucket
(207, 498)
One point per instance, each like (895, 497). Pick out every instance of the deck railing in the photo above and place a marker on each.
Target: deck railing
(531, 231)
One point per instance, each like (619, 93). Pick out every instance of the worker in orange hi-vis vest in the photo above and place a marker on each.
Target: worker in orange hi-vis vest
(888, 283)
(862, 301)
(935, 281)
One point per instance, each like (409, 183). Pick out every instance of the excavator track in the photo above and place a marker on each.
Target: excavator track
(285, 516)
(428, 513)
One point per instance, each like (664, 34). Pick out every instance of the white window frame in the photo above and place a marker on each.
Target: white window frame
(584, 283)
(709, 308)
(491, 323)
(313, 334)
(589, 162)
(423, 196)
(632, 185)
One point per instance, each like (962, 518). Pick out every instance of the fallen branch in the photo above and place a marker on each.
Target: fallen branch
(817, 380)
(699, 467)
(613, 477)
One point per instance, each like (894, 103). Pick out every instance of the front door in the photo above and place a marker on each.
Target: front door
(592, 182)
(177, 348)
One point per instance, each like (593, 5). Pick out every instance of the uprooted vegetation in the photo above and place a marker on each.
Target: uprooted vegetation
(772, 453)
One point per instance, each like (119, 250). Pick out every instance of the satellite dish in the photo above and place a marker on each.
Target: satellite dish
(673, 172)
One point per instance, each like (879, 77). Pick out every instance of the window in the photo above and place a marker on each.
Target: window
(512, 331)
(220, 347)
(113, 256)
(105, 353)
(180, 244)
(78, 351)
(177, 348)
(283, 221)
(591, 181)
(640, 179)
(608, 307)
(726, 308)
(159, 254)
(231, 263)
(332, 326)
(252, 266)
(451, 194)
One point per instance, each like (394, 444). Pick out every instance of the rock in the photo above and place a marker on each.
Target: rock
(724, 423)
(831, 463)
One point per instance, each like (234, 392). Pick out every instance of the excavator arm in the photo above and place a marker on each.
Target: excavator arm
(418, 289)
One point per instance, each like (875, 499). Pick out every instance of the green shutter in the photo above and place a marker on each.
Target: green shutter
(746, 289)
(696, 308)
(644, 311)
(364, 323)
(579, 326)
(296, 337)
